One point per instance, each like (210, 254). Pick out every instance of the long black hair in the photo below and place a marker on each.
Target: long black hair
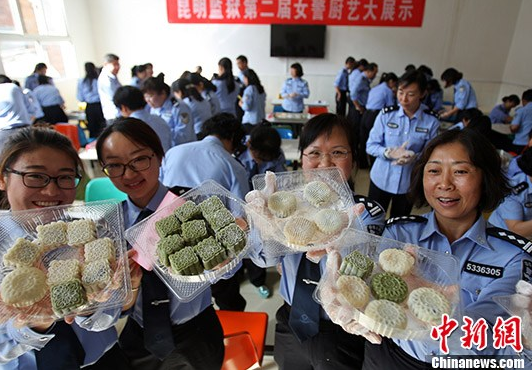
(91, 74)
(253, 79)
(227, 65)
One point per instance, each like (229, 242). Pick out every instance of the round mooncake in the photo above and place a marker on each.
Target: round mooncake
(282, 204)
(317, 193)
(23, 287)
(299, 230)
(354, 290)
(387, 313)
(356, 264)
(396, 261)
(389, 286)
(428, 304)
(330, 221)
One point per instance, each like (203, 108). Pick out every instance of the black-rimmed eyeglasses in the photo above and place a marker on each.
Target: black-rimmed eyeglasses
(41, 180)
(136, 164)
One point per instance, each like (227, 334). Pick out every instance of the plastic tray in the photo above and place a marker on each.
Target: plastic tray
(144, 238)
(432, 269)
(519, 305)
(109, 223)
(269, 228)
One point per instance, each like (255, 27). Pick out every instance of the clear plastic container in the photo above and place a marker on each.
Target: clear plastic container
(109, 224)
(143, 237)
(271, 229)
(432, 269)
(519, 305)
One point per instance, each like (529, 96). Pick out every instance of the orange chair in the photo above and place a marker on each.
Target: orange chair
(317, 109)
(244, 338)
(70, 131)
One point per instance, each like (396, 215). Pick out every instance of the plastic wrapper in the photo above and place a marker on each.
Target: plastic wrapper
(114, 293)
(307, 225)
(431, 269)
(144, 238)
(519, 305)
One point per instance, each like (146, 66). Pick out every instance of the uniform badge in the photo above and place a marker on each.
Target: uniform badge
(392, 125)
(421, 129)
(185, 118)
(526, 271)
(462, 88)
(476, 268)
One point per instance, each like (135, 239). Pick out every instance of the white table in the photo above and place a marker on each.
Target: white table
(502, 128)
(290, 149)
(90, 162)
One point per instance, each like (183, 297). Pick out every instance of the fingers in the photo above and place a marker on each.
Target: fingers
(524, 288)
(334, 259)
(316, 255)
(358, 209)
(69, 319)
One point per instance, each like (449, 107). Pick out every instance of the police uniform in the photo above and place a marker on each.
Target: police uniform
(491, 261)
(88, 92)
(294, 85)
(201, 112)
(523, 119)
(227, 98)
(158, 125)
(434, 101)
(51, 101)
(181, 124)
(213, 100)
(392, 128)
(341, 82)
(516, 206)
(32, 105)
(464, 97)
(358, 90)
(107, 85)
(379, 97)
(332, 348)
(254, 105)
(499, 114)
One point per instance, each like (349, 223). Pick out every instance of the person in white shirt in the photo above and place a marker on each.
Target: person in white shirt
(107, 85)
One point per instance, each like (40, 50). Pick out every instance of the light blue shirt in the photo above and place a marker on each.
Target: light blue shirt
(379, 97)
(523, 119)
(213, 100)
(32, 81)
(341, 79)
(253, 168)
(513, 168)
(191, 164)
(457, 126)
(372, 219)
(227, 99)
(136, 82)
(516, 206)
(13, 112)
(464, 95)
(88, 91)
(180, 312)
(32, 104)
(107, 85)
(475, 246)
(391, 129)
(359, 88)
(182, 124)
(158, 125)
(435, 101)
(164, 111)
(201, 112)
(298, 86)
(254, 105)
(48, 95)
(499, 114)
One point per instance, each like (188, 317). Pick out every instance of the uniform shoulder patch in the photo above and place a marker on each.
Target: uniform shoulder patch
(513, 238)
(373, 208)
(390, 108)
(519, 188)
(432, 113)
(405, 219)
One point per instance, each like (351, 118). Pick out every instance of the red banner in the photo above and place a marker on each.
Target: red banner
(383, 13)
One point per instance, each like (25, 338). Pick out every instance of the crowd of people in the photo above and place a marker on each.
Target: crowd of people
(154, 138)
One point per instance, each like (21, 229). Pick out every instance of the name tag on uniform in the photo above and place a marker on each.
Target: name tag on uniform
(527, 271)
(528, 204)
(423, 130)
(392, 125)
(475, 268)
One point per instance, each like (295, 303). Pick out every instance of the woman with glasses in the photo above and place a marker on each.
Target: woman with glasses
(325, 141)
(161, 332)
(40, 168)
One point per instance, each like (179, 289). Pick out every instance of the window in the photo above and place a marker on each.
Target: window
(34, 31)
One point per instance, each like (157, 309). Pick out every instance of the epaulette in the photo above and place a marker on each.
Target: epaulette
(179, 190)
(390, 108)
(373, 208)
(520, 188)
(513, 238)
(405, 219)
(432, 113)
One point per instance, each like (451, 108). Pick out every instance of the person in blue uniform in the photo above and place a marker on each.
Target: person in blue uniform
(380, 96)
(341, 86)
(515, 212)
(13, 112)
(459, 177)
(40, 168)
(521, 125)
(464, 94)
(190, 164)
(138, 75)
(207, 90)
(399, 134)
(32, 81)
(501, 112)
(434, 98)
(171, 109)
(88, 93)
(108, 83)
(242, 65)
(199, 107)
(294, 90)
(253, 101)
(227, 88)
(51, 101)
(130, 101)
(325, 141)
(168, 333)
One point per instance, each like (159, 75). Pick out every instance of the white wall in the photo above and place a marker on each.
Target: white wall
(473, 36)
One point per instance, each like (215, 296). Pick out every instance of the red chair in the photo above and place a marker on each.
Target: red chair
(70, 131)
(244, 338)
(317, 109)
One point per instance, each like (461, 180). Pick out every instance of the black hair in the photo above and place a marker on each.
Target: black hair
(227, 65)
(138, 69)
(371, 67)
(386, 77)
(527, 95)
(43, 79)
(514, 99)
(471, 113)
(524, 161)
(129, 96)
(362, 63)
(350, 60)
(425, 70)
(266, 142)
(482, 124)
(451, 75)
(39, 66)
(414, 77)
(135, 130)
(5, 80)
(242, 58)
(482, 154)
(109, 58)
(299, 69)
(253, 79)
(433, 85)
(410, 67)
(16, 83)
(187, 88)
(91, 73)
(156, 84)
(225, 126)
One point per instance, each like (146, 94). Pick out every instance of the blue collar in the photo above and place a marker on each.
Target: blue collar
(139, 114)
(132, 211)
(417, 115)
